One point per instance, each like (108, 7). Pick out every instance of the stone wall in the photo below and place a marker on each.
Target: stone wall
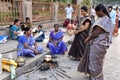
(45, 24)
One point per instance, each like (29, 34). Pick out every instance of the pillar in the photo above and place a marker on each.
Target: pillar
(27, 9)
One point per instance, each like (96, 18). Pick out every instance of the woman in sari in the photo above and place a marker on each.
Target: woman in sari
(15, 29)
(78, 46)
(98, 42)
(27, 45)
(55, 44)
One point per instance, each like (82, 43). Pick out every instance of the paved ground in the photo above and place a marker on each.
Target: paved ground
(111, 66)
(112, 60)
(63, 60)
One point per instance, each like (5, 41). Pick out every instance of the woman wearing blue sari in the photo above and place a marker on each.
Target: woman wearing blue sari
(55, 44)
(27, 45)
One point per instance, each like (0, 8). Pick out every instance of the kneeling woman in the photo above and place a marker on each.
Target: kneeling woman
(27, 45)
(55, 44)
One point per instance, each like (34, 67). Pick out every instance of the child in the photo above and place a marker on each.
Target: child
(39, 34)
(71, 27)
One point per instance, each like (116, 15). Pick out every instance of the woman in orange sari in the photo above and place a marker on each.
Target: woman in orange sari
(115, 33)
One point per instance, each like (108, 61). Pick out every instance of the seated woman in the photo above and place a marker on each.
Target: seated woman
(15, 30)
(55, 44)
(39, 34)
(27, 45)
(71, 28)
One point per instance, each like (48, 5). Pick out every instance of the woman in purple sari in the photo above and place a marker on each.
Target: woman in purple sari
(98, 43)
(55, 44)
(27, 45)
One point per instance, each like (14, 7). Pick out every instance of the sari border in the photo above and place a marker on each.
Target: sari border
(99, 26)
(85, 19)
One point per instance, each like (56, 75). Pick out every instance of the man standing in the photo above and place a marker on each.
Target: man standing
(112, 14)
(69, 11)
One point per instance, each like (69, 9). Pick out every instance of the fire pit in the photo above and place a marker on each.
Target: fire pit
(50, 63)
(53, 66)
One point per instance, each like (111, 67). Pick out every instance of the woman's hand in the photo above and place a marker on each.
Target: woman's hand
(55, 43)
(35, 45)
(36, 51)
(76, 32)
(87, 40)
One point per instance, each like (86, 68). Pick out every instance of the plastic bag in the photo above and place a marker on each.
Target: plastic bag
(3, 39)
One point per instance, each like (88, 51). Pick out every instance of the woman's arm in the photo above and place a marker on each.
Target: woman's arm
(51, 40)
(16, 33)
(35, 45)
(14, 30)
(96, 31)
(27, 47)
(60, 39)
(83, 28)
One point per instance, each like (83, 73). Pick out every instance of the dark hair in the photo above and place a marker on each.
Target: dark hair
(117, 8)
(102, 8)
(110, 7)
(56, 25)
(77, 17)
(27, 18)
(40, 26)
(72, 21)
(26, 29)
(16, 20)
(22, 26)
(68, 4)
(84, 8)
(10, 26)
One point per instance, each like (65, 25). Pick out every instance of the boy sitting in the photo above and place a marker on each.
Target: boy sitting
(39, 34)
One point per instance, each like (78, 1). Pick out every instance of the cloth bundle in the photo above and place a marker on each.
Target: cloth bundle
(7, 63)
(3, 39)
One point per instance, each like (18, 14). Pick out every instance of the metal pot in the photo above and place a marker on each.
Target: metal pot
(20, 61)
(48, 58)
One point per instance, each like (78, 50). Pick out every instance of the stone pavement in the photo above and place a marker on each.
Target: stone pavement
(112, 60)
(111, 66)
(63, 60)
